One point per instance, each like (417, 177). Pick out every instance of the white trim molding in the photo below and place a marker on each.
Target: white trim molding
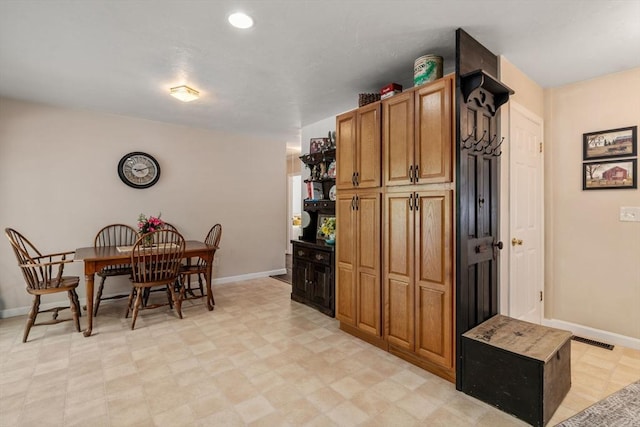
(594, 334)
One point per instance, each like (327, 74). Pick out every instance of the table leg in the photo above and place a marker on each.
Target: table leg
(88, 278)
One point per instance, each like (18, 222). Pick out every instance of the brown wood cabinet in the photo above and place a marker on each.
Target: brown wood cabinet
(358, 270)
(402, 301)
(418, 278)
(358, 148)
(417, 135)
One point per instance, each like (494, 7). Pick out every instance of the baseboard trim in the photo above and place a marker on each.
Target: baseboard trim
(594, 334)
(248, 276)
(19, 311)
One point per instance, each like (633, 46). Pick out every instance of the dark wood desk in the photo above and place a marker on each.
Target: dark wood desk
(96, 259)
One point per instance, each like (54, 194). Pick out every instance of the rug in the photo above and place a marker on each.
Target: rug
(283, 277)
(621, 409)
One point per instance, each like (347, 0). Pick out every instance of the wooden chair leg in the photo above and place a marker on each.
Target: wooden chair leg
(176, 301)
(74, 309)
(77, 301)
(200, 283)
(136, 308)
(96, 304)
(130, 301)
(32, 317)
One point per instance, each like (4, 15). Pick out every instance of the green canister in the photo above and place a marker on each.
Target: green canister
(426, 69)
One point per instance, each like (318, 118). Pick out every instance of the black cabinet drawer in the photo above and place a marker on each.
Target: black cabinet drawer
(312, 255)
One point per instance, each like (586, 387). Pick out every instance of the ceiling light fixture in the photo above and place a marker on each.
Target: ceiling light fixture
(241, 20)
(184, 93)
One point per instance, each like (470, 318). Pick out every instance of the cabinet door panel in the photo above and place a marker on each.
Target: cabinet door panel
(434, 132)
(368, 257)
(346, 259)
(398, 265)
(321, 290)
(434, 277)
(369, 303)
(369, 147)
(345, 149)
(398, 127)
(300, 278)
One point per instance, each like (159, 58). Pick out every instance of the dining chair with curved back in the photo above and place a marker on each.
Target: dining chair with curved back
(113, 235)
(43, 275)
(169, 226)
(157, 265)
(200, 267)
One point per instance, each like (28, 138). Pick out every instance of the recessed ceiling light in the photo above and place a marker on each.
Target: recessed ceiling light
(184, 93)
(241, 20)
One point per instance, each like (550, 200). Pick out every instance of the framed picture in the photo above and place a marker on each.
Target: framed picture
(321, 218)
(612, 143)
(610, 174)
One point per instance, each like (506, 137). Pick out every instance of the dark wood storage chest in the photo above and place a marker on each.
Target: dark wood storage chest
(519, 367)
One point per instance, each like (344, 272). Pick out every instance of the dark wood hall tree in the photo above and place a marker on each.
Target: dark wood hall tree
(478, 147)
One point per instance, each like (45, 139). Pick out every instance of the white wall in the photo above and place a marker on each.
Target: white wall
(59, 186)
(592, 259)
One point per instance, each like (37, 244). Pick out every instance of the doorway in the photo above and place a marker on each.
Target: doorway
(294, 197)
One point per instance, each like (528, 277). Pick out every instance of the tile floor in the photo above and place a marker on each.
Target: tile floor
(258, 359)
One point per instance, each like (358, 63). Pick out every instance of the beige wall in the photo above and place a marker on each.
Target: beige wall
(59, 186)
(592, 259)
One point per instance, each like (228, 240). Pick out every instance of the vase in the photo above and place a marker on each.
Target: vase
(147, 241)
(331, 239)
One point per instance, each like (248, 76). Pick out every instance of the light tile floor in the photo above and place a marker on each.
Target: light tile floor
(258, 359)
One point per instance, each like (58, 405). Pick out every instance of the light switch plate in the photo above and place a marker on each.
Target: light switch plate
(631, 214)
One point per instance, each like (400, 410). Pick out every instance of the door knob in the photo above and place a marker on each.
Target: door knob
(515, 242)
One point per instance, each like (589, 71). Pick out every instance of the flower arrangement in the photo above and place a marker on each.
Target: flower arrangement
(147, 225)
(328, 227)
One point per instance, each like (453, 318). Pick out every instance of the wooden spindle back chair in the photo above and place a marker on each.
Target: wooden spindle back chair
(156, 265)
(200, 267)
(113, 235)
(43, 275)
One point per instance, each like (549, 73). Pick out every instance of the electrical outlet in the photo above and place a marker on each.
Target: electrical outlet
(630, 214)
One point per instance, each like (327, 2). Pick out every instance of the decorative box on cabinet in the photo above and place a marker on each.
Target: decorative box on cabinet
(519, 367)
(313, 278)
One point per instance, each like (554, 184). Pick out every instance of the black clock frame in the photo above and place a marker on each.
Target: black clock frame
(134, 185)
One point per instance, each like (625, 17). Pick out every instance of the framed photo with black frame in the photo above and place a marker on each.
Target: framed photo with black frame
(610, 144)
(612, 174)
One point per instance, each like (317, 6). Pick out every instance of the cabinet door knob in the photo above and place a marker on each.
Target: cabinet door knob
(416, 173)
(416, 205)
(411, 202)
(411, 173)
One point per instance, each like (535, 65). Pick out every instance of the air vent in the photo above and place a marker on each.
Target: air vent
(593, 342)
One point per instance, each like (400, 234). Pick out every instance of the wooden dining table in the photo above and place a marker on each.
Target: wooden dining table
(95, 259)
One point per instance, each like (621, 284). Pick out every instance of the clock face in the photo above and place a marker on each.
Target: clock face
(139, 170)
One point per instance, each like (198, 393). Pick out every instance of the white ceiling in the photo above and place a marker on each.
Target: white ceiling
(303, 61)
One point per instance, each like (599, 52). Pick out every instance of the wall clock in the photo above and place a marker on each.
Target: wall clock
(139, 170)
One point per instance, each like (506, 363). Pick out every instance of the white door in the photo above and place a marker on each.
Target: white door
(525, 239)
